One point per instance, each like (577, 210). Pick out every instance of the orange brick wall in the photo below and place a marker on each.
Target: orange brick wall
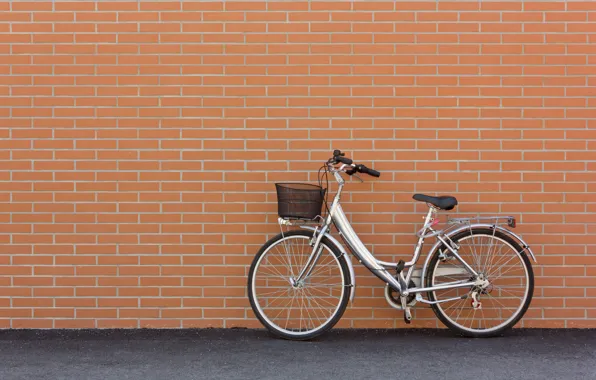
(139, 144)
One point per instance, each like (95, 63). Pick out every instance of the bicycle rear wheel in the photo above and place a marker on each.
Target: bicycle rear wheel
(304, 310)
(482, 311)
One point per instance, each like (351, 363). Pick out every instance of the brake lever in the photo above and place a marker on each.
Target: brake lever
(352, 173)
(357, 176)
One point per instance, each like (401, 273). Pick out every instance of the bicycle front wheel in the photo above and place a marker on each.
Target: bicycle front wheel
(491, 309)
(303, 310)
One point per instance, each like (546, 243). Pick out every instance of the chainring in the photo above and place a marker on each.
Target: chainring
(395, 296)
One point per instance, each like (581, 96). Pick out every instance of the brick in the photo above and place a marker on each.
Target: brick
(151, 157)
(117, 6)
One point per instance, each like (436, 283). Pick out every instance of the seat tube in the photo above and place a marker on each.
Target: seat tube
(421, 234)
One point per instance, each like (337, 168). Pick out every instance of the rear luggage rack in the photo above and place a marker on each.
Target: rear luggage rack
(496, 220)
(299, 222)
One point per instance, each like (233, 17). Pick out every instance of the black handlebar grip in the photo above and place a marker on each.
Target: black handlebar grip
(344, 160)
(365, 170)
(373, 172)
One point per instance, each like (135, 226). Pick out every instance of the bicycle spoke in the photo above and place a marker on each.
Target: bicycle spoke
(473, 312)
(318, 270)
(287, 255)
(474, 242)
(281, 262)
(483, 319)
(291, 253)
(282, 309)
(460, 311)
(304, 258)
(507, 291)
(310, 319)
(491, 297)
(298, 251)
(478, 257)
(278, 297)
(324, 301)
(310, 303)
(286, 261)
(511, 289)
(457, 303)
(274, 276)
(491, 264)
(318, 306)
(488, 254)
(503, 273)
(319, 267)
(289, 311)
(278, 274)
(502, 261)
(273, 292)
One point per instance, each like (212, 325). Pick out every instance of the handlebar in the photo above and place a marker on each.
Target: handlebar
(338, 156)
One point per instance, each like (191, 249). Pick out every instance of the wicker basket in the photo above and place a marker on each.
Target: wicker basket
(299, 200)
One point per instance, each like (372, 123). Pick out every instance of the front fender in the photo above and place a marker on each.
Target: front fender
(344, 256)
(472, 226)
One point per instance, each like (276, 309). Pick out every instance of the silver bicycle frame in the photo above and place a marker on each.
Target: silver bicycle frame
(377, 267)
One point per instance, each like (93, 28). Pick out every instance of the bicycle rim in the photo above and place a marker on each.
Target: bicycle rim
(297, 310)
(505, 298)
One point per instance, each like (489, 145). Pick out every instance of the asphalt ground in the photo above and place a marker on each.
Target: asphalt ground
(254, 354)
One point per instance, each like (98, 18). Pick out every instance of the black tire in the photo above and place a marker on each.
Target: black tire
(342, 305)
(480, 333)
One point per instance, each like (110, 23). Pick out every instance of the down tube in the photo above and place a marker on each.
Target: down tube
(359, 250)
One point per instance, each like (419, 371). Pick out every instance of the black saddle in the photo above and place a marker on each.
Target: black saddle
(444, 202)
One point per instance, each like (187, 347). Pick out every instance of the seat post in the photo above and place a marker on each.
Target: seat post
(429, 215)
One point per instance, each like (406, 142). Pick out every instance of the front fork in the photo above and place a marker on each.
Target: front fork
(314, 257)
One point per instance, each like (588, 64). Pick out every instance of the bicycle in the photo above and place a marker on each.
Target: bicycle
(300, 282)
